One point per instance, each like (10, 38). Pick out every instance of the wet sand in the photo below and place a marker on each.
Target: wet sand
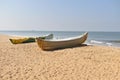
(29, 62)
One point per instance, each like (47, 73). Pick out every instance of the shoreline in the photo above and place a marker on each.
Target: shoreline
(28, 61)
(103, 45)
(96, 43)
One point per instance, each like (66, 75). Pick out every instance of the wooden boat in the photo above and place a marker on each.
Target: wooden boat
(29, 39)
(46, 44)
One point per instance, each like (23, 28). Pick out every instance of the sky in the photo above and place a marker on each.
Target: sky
(60, 15)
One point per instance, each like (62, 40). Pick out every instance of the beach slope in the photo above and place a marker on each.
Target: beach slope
(29, 62)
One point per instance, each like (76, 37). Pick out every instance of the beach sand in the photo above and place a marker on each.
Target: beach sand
(29, 62)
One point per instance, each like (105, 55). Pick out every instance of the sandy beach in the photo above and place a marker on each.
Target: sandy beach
(29, 62)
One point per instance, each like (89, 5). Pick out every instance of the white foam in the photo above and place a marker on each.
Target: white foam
(109, 44)
(94, 41)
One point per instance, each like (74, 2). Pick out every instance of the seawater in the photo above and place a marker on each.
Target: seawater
(94, 38)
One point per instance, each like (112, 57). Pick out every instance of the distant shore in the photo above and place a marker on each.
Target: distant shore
(28, 61)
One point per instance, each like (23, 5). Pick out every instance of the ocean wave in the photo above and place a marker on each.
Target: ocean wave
(109, 44)
(101, 43)
(98, 42)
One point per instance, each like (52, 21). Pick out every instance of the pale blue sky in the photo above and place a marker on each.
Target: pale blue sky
(60, 15)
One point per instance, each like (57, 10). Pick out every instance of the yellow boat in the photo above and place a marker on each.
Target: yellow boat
(51, 44)
(28, 39)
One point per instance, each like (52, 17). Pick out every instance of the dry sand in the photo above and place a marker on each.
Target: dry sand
(29, 62)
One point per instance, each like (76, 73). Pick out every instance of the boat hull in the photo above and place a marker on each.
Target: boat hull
(51, 45)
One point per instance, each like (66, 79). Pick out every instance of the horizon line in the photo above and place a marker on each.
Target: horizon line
(62, 30)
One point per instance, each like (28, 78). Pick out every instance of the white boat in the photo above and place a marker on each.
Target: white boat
(51, 44)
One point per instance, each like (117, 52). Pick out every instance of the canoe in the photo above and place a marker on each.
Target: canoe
(29, 39)
(46, 44)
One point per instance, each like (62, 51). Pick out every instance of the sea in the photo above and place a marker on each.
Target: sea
(94, 38)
